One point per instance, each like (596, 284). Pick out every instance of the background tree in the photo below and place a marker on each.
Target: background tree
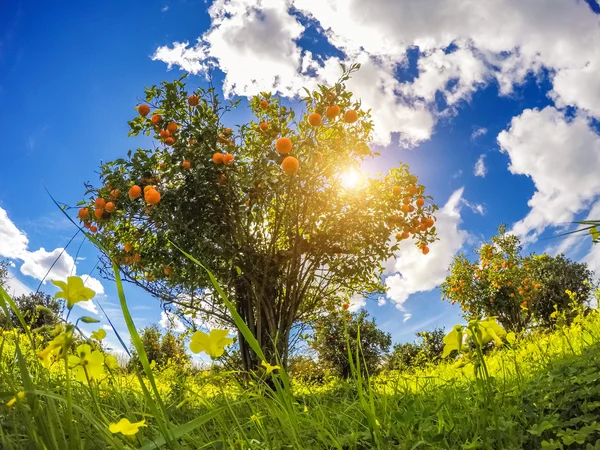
(514, 288)
(161, 348)
(38, 310)
(427, 349)
(3, 274)
(334, 331)
(276, 209)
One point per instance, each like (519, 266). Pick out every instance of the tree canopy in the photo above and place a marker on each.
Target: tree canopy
(277, 208)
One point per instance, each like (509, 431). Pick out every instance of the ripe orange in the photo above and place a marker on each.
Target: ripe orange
(115, 193)
(411, 208)
(423, 227)
(420, 202)
(318, 156)
(192, 141)
(127, 247)
(172, 127)
(283, 145)
(169, 141)
(87, 225)
(290, 165)
(350, 116)
(332, 111)
(135, 191)
(156, 119)
(228, 159)
(404, 208)
(264, 104)
(264, 126)
(425, 249)
(164, 134)
(186, 164)
(346, 306)
(315, 119)
(100, 203)
(152, 196)
(144, 110)
(193, 100)
(217, 158)
(227, 131)
(524, 304)
(396, 190)
(83, 214)
(406, 200)
(168, 271)
(399, 236)
(110, 207)
(412, 190)
(405, 235)
(93, 228)
(98, 212)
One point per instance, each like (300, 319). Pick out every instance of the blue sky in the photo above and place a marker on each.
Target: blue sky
(511, 85)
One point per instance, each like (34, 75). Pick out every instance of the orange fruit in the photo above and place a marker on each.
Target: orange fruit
(110, 207)
(115, 193)
(420, 202)
(315, 119)
(169, 141)
(412, 190)
(411, 208)
(404, 208)
(192, 141)
(144, 110)
(98, 213)
(350, 116)
(152, 196)
(193, 100)
(331, 95)
(264, 126)
(93, 228)
(423, 227)
(127, 247)
(137, 258)
(396, 190)
(398, 236)
(512, 295)
(186, 164)
(290, 165)
(406, 201)
(318, 156)
(283, 145)
(405, 235)
(135, 191)
(425, 249)
(227, 131)
(217, 158)
(491, 300)
(83, 213)
(332, 111)
(228, 159)
(156, 119)
(168, 271)
(172, 127)
(264, 104)
(147, 188)
(100, 203)
(87, 225)
(164, 134)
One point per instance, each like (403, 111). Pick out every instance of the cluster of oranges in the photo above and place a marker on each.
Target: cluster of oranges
(415, 225)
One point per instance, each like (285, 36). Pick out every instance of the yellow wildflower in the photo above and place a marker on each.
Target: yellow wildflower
(111, 362)
(213, 345)
(12, 401)
(73, 291)
(268, 367)
(88, 361)
(125, 427)
(99, 335)
(54, 347)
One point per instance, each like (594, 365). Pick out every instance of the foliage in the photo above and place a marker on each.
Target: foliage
(267, 233)
(516, 289)
(38, 310)
(3, 273)
(338, 334)
(427, 350)
(161, 349)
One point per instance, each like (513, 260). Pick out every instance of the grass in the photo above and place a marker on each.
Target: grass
(544, 392)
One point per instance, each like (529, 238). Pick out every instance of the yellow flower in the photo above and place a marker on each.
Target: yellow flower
(99, 335)
(125, 427)
(60, 342)
(268, 367)
(254, 418)
(73, 291)
(213, 345)
(305, 409)
(12, 401)
(111, 362)
(88, 361)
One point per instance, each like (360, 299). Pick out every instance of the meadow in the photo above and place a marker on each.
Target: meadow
(540, 391)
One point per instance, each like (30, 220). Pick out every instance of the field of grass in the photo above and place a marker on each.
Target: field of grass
(542, 392)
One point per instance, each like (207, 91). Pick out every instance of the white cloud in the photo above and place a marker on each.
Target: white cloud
(107, 327)
(381, 301)
(562, 158)
(170, 321)
(480, 170)
(13, 242)
(36, 264)
(477, 208)
(16, 288)
(414, 272)
(164, 8)
(88, 306)
(406, 317)
(481, 131)
(356, 302)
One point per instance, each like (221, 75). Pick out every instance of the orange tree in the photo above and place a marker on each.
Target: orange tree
(272, 208)
(516, 289)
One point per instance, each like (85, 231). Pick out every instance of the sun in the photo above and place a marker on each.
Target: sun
(352, 179)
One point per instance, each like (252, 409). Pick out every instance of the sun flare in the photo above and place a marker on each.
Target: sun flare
(352, 179)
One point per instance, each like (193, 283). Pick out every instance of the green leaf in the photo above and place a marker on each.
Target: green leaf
(86, 319)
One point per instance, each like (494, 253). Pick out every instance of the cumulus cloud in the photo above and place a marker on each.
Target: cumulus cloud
(480, 170)
(356, 302)
(13, 242)
(414, 272)
(562, 157)
(381, 301)
(172, 322)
